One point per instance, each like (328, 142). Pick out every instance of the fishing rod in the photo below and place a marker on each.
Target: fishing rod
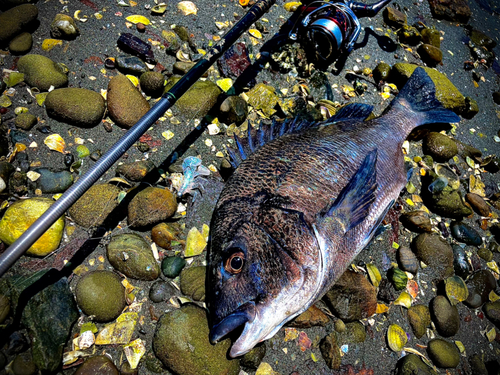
(38, 228)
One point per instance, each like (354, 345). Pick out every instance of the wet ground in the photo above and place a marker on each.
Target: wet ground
(85, 55)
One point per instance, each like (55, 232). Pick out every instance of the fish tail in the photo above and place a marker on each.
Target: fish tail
(417, 101)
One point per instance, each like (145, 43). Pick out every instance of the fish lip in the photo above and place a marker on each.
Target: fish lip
(245, 313)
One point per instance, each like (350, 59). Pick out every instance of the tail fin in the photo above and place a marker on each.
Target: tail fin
(419, 96)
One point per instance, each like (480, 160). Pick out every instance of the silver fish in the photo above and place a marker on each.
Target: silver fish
(305, 199)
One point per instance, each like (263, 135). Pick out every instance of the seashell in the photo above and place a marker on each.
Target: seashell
(398, 278)
(456, 290)
(466, 234)
(438, 185)
(374, 274)
(55, 142)
(396, 337)
(182, 56)
(137, 18)
(460, 263)
(407, 260)
(187, 8)
(159, 9)
(404, 300)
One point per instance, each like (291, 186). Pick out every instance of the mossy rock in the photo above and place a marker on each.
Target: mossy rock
(99, 364)
(181, 343)
(121, 92)
(131, 255)
(16, 20)
(76, 106)
(152, 83)
(411, 364)
(446, 92)
(431, 36)
(41, 72)
(193, 282)
(441, 147)
(21, 44)
(436, 252)
(19, 217)
(198, 100)
(443, 354)
(101, 294)
(25, 121)
(150, 206)
(419, 317)
(94, 207)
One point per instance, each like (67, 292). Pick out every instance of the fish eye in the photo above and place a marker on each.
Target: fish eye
(234, 263)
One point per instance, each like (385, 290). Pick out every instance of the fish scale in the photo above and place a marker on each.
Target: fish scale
(304, 200)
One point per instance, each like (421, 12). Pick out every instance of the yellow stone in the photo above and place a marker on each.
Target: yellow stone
(195, 243)
(20, 215)
(48, 44)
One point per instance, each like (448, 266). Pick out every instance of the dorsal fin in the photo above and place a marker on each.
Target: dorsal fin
(266, 133)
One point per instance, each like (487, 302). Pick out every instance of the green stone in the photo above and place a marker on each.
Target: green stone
(25, 121)
(443, 354)
(101, 293)
(131, 255)
(193, 282)
(172, 266)
(15, 20)
(419, 317)
(41, 72)
(181, 343)
(21, 44)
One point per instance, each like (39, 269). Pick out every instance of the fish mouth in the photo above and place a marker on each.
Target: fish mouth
(245, 313)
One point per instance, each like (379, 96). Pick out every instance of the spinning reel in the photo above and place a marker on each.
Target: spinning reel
(326, 29)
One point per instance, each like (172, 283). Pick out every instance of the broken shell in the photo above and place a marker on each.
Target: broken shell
(136, 18)
(404, 299)
(374, 274)
(396, 337)
(456, 290)
(187, 8)
(159, 9)
(55, 142)
(182, 56)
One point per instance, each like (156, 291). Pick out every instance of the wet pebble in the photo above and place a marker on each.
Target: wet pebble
(312, 317)
(151, 206)
(4, 308)
(431, 36)
(21, 44)
(492, 312)
(485, 254)
(20, 215)
(436, 252)
(100, 293)
(161, 291)
(131, 65)
(354, 333)
(99, 364)
(416, 221)
(412, 364)
(121, 92)
(381, 72)
(386, 291)
(95, 205)
(135, 171)
(471, 108)
(477, 365)
(196, 355)
(192, 282)
(409, 35)
(407, 260)
(480, 284)
(172, 266)
(25, 121)
(330, 351)
(233, 109)
(448, 204)
(430, 54)
(443, 354)
(465, 233)
(64, 27)
(439, 146)
(51, 182)
(76, 106)
(182, 67)
(23, 364)
(130, 254)
(41, 72)
(15, 20)
(478, 204)
(352, 297)
(394, 17)
(152, 83)
(419, 318)
(445, 316)
(254, 357)
(481, 39)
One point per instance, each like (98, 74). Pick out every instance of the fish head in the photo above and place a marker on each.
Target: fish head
(256, 284)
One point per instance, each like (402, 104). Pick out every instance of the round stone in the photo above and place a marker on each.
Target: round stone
(443, 353)
(101, 294)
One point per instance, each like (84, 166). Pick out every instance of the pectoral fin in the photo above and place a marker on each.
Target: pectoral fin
(352, 204)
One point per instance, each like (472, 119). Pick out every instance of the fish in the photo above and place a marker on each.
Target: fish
(304, 200)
